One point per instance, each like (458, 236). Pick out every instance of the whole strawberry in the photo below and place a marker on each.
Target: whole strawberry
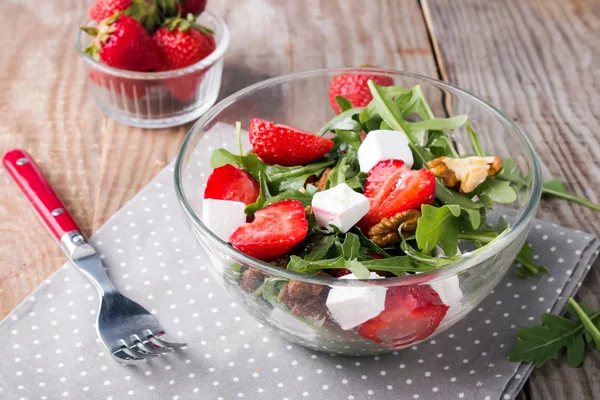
(354, 88)
(182, 42)
(192, 6)
(103, 9)
(122, 42)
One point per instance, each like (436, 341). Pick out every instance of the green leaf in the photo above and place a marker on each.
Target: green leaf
(284, 178)
(262, 198)
(398, 265)
(342, 121)
(238, 133)
(497, 190)
(387, 110)
(556, 188)
(344, 103)
(474, 216)
(368, 243)
(437, 124)
(338, 173)
(449, 196)
(586, 322)
(440, 145)
(270, 289)
(370, 111)
(438, 225)
(297, 264)
(475, 141)
(525, 258)
(425, 259)
(304, 196)
(222, 157)
(351, 246)
(349, 138)
(543, 342)
(321, 248)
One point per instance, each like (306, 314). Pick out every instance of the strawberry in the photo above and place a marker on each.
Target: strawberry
(354, 88)
(411, 314)
(339, 272)
(283, 145)
(231, 183)
(183, 42)
(392, 187)
(275, 231)
(122, 42)
(103, 9)
(192, 6)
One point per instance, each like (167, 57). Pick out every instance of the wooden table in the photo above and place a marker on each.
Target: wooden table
(536, 60)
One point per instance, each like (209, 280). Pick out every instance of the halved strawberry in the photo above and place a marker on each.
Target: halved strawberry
(275, 231)
(231, 183)
(411, 314)
(339, 272)
(283, 145)
(354, 88)
(392, 187)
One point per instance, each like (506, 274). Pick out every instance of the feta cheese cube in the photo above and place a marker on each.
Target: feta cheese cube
(384, 145)
(351, 306)
(223, 217)
(339, 206)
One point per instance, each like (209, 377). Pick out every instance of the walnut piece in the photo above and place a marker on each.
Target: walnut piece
(251, 280)
(308, 210)
(280, 262)
(320, 184)
(386, 233)
(305, 299)
(469, 172)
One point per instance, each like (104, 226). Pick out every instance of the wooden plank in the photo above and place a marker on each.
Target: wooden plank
(534, 60)
(96, 164)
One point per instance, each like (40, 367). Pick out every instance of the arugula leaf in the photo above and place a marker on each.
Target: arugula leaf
(343, 121)
(351, 246)
(368, 243)
(344, 103)
(370, 111)
(222, 157)
(321, 248)
(435, 262)
(297, 264)
(262, 198)
(543, 342)
(440, 145)
(525, 258)
(270, 289)
(511, 172)
(349, 138)
(448, 196)
(475, 141)
(305, 197)
(437, 124)
(556, 188)
(338, 173)
(496, 190)
(398, 265)
(284, 178)
(586, 322)
(438, 225)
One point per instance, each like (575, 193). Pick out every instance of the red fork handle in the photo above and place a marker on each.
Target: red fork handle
(26, 173)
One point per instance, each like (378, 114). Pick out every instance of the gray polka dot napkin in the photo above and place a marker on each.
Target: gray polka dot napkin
(50, 349)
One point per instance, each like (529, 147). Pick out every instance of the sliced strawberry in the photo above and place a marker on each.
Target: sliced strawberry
(275, 231)
(339, 272)
(231, 183)
(354, 88)
(392, 187)
(283, 145)
(411, 314)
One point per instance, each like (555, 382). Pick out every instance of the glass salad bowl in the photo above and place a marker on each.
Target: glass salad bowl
(295, 305)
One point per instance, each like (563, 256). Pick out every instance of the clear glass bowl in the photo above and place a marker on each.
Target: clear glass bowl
(301, 100)
(157, 99)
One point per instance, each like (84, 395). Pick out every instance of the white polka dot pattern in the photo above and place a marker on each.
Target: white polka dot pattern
(51, 350)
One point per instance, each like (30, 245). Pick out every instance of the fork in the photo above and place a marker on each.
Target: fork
(127, 330)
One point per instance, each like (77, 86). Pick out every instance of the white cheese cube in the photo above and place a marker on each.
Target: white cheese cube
(384, 145)
(339, 206)
(351, 306)
(223, 217)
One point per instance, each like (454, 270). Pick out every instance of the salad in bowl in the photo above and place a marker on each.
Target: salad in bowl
(377, 230)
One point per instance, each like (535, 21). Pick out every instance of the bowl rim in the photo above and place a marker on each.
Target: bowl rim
(473, 259)
(212, 58)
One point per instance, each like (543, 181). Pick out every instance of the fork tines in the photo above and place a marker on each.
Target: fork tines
(147, 345)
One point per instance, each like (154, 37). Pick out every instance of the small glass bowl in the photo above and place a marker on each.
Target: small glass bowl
(157, 99)
(301, 100)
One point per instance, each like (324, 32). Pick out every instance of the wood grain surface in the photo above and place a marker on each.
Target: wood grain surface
(537, 60)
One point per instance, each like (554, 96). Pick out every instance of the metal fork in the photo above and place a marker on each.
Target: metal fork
(127, 330)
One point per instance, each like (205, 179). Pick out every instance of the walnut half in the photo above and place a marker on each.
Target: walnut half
(468, 172)
(386, 233)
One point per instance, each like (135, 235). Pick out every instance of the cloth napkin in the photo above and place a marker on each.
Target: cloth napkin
(51, 351)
